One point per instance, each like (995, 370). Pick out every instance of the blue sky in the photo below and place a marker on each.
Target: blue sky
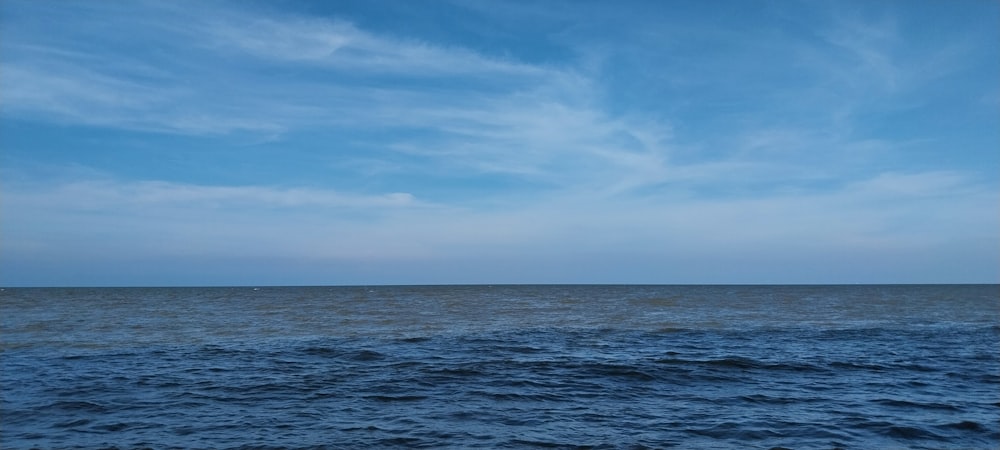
(395, 142)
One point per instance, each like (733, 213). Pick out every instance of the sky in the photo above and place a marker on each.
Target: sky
(363, 142)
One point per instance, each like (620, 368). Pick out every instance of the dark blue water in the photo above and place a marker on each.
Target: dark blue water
(502, 367)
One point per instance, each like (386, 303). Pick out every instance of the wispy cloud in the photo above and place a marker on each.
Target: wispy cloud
(79, 83)
(340, 45)
(105, 195)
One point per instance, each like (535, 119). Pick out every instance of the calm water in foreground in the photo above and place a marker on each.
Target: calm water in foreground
(502, 367)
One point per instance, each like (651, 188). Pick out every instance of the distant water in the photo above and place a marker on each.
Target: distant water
(627, 367)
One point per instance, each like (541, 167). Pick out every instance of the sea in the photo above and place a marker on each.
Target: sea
(501, 367)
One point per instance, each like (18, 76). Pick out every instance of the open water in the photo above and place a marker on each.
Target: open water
(630, 367)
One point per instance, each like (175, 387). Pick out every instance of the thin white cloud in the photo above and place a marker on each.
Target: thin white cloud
(164, 218)
(341, 45)
(77, 93)
(66, 92)
(893, 184)
(107, 195)
(205, 90)
(868, 48)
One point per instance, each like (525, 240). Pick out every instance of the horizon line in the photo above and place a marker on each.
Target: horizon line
(391, 285)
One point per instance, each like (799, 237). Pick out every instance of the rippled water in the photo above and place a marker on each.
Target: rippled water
(502, 367)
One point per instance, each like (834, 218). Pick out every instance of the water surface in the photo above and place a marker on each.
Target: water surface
(502, 367)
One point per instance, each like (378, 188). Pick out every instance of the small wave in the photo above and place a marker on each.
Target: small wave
(78, 406)
(857, 366)
(322, 351)
(111, 427)
(911, 433)
(735, 362)
(140, 447)
(917, 368)
(909, 404)
(73, 423)
(732, 430)
(508, 396)
(404, 442)
(367, 428)
(741, 363)
(670, 330)
(272, 447)
(363, 355)
(621, 371)
(966, 425)
(457, 372)
(769, 400)
(366, 355)
(522, 349)
(520, 443)
(396, 398)
(526, 384)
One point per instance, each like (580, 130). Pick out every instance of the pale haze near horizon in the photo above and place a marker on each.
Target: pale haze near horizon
(383, 142)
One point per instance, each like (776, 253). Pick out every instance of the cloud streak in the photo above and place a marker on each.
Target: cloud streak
(108, 195)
